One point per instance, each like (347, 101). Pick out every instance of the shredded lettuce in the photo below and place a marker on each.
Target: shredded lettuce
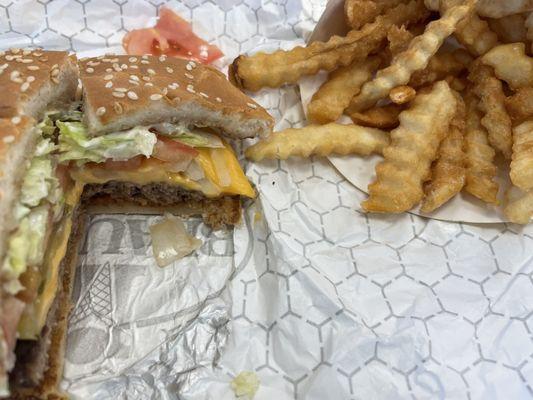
(75, 144)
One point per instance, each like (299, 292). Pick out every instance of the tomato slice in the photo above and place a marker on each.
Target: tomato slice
(172, 151)
(172, 35)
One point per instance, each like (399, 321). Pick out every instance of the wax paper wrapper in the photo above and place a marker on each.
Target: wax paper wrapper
(318, 299)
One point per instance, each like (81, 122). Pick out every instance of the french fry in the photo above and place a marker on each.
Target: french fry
(415, 58)
(322, 140)
(280, 67)
(503, 8)
(335, 94)
(385, 117)
(489, 89)
(510, 29)
(402, 94)
(399, 38)
(519, 206)
(511, 64)
(480, 167)
(361, 12)
(520, 104)
(522, 161)
(414, 144)
(439, 67)
(475, 34)
(448, 173)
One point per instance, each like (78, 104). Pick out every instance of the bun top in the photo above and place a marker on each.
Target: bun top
(24, 73)
(124, 91)
(12, 131)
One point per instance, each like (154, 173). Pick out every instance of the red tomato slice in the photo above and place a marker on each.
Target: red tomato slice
(172, 35)
(132, 163)
(172, 151)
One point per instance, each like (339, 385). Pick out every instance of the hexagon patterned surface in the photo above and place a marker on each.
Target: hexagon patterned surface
(327, 302)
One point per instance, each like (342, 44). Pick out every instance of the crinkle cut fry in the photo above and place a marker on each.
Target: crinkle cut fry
(400, 177)
(502, 8)
(480, 167)
(280, 67)
(529, 27)
(522, 161)
(520, 104)
(321, 140)
(510, 29)
(448, 172)
(511, 64)
(519, 206)
(415, 58)
(335, 94)
(385, 117)
(361, 12)
(475, 34)
(496, 120)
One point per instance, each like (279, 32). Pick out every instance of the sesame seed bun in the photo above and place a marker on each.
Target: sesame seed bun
(34, 80)
(125, 91)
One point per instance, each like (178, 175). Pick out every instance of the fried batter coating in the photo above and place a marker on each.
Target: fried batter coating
(522, 161)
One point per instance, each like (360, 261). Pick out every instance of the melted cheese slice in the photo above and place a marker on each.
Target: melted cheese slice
(152, 172)
(35, 314)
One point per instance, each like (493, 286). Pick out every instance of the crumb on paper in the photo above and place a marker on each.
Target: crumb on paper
(245, 385)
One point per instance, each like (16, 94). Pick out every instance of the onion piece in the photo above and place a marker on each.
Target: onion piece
(171, 241)
(224, 177)
(195, 172)
(179, 166)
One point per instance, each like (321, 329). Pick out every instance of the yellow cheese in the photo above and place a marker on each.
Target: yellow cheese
(35, 314)
(154, 172)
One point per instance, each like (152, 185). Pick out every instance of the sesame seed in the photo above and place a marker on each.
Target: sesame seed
(162, 58)
(170, 70)
(150, 71)
(26, 52)
(218, 99)
(89, 70)
(37, 54)
(156, 96)
(106, 60)
(134, 77)
(14, 76)
(190, 88)
(25, 86)
(145, 78)
(204, 95)
(108, 77)
(14, 50)
(100, 111)
(133, 82)
(164, 91)
(121, 89)
(43, 59)
(148, 84)
(26, 60)
(114, 60)
(145, 62)
(33, 67)
(189, 76)
(134, 66)
(55, 80)
(132, 95)
(108, 69)
(117, 107)
(117, 68)
(15, 120)
(55, 72)
(30, 79)
(132, 59)
(251, 105)
(55, 66)
(173, 86)
(124, 66)
(190, 65)
(4, 66)
(189, 53)
(109, 84)
(9, 139)
(144, 57)
(93, 63)
(118, 94)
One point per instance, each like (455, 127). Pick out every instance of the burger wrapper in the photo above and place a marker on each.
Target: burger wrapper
(316, 298)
